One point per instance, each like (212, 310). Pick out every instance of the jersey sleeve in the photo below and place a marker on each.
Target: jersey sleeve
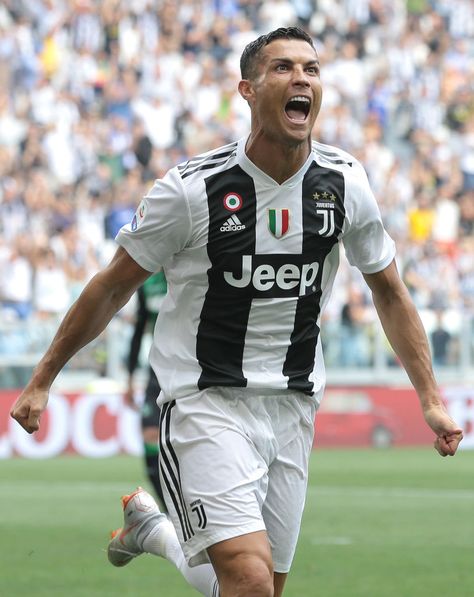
(161, 226)
(367, 244)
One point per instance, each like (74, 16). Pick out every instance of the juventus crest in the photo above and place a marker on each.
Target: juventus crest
(325, 207)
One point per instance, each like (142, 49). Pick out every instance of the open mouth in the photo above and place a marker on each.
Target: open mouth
(297, 108)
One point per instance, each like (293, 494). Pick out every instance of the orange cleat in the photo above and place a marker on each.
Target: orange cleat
(141, 515)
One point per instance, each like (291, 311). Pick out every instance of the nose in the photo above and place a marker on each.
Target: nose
(300, 76)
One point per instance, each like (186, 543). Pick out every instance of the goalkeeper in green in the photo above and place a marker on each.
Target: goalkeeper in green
(150, 296)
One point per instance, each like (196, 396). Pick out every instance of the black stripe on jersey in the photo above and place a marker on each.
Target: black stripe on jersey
(206, 166)
(325, 152)
(299, 362)
(198, 160)
(172, 479)
(330, 155)
(225, 311)
(337, 162)
(334, 161)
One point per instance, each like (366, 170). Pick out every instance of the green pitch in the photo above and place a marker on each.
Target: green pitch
(395, 523)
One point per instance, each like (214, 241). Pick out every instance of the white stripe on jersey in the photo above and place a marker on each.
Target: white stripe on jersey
(267, 330)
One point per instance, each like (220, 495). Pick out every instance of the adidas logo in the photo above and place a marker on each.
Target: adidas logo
(232, 224)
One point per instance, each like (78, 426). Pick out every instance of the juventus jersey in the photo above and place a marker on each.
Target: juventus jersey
(250, 264)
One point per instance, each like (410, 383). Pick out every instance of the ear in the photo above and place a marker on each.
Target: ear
(246, 90)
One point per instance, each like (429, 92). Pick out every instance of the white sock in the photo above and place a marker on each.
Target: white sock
(163, 541)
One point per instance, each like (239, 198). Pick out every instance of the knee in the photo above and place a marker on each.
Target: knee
(248, 577)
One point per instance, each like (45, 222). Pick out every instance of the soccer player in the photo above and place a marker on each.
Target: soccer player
(248, 238)
(149, 297)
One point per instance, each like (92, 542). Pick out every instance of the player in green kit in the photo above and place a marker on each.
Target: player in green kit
(150, 297)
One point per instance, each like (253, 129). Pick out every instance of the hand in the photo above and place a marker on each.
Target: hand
(129, 398)
(29, 407)
(449, 435)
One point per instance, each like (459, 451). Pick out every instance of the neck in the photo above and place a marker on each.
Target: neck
(278, 160)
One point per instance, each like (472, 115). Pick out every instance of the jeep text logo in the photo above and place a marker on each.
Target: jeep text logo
(287, 279)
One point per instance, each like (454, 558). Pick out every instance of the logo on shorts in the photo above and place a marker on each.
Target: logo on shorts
(199, 511)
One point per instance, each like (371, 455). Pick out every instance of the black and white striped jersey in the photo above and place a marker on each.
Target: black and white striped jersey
(250, 264)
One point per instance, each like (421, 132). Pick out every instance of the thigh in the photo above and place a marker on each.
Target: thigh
(213, 477)
(287, 485)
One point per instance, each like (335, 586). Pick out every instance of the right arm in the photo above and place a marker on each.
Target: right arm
(106, 293)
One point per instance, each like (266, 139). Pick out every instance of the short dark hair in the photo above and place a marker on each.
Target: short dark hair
(248, 60)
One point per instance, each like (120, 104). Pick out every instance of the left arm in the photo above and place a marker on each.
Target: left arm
(405, 332)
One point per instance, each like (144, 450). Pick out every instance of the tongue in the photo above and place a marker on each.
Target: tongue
(296, 114)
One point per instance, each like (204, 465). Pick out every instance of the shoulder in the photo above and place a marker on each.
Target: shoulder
(331, 155)
(336, 158)
(204, 162)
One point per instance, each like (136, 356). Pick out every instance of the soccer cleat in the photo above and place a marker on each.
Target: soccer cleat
(141, 515)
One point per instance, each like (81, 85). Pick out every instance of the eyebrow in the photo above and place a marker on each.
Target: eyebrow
(289, 61)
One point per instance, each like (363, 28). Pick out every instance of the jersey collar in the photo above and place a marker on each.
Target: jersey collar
(254, 171)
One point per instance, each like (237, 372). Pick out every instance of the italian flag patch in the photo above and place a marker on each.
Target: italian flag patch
(278, 221)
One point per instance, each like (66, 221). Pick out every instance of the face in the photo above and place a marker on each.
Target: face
(285, 97)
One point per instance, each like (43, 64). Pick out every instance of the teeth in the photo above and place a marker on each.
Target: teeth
(299, 98)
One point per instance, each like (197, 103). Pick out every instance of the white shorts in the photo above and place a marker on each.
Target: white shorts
(234, 462)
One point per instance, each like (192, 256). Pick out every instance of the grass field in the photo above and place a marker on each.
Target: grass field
(394, 523)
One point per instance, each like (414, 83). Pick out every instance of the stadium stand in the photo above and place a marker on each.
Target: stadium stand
(97, 99)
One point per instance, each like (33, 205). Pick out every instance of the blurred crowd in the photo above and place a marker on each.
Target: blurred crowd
(99, 98)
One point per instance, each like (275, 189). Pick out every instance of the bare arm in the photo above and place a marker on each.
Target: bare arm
(405, 332)
(106, 293)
